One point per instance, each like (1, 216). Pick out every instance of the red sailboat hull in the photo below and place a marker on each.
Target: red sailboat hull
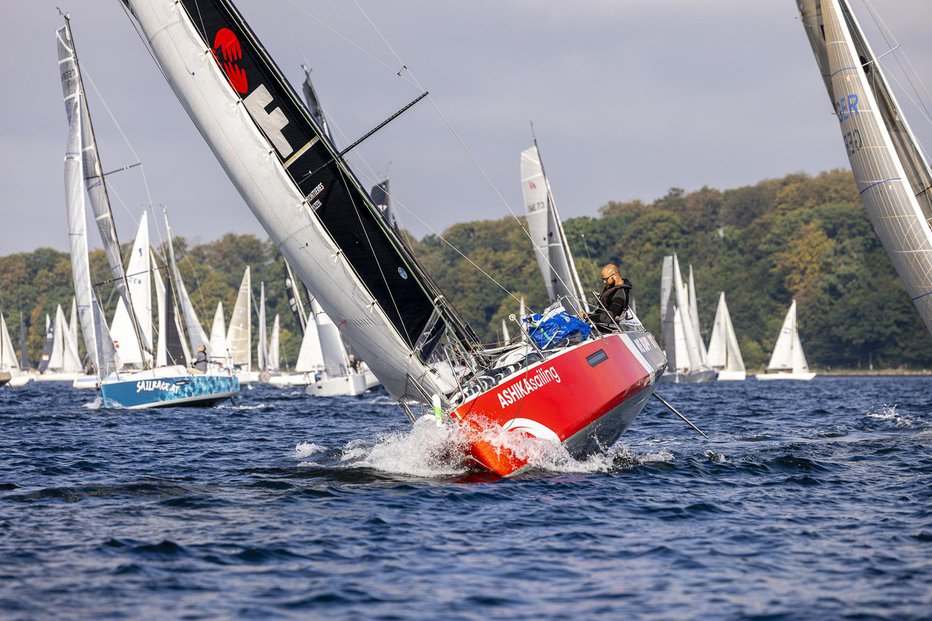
(584, 397)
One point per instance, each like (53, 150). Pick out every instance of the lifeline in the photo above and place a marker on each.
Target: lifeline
(526, 386)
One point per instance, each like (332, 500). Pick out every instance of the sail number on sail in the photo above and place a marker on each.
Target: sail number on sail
(846, 108)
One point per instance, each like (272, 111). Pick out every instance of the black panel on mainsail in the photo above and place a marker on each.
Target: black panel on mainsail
(392, 275)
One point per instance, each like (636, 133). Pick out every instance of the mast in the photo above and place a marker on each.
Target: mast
(303, 193)
(96, 187)
(891, 172)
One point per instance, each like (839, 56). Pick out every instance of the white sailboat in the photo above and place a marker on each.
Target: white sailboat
(788, 361)
(685, 351)
(239, 332)
(62, 363)
(389, 311)
(151, 386)
(9, 365)
(724, 353)
(891, 171)
(219, 350)
(546, 229)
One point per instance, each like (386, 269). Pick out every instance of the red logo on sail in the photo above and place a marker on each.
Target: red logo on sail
(532, 185)
(227, 45)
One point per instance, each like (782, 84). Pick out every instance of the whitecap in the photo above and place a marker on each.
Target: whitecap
(889, 413)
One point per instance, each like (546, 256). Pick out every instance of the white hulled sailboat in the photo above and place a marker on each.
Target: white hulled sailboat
(724, 353)
(150, 386)
(788, 361)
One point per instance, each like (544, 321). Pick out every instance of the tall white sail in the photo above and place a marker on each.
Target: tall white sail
(73, 324)
(694, 319)
(668, 316)
(262, 347)
(680, 349)
(783, 356)
(124, 326)
(550, 248)
(336, 360)
(682, 303)
(891, 172)
(64, 358)
(93, 177)
(193, 327)
(161, 351)
(239, 335)
(304, 195)
(74, 193)
(275, 346)
(310, 356)
(219, 350)
(8, 360)
(724, 353)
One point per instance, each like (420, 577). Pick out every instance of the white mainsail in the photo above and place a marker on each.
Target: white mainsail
(8, 360)
(302, 193)
(310, 356)
(724, 353)
(336, 360)
(668, 316)
(74, 193)
(262, 347)
(788, 351)
(239, 334)
(681, 351)
(138, 278)
(193, 327)
(73, 324)
(891, 172)
(546, 229)
(275, 346)
(218, 336)
(64, 358)
(682, 303)
(694, 319)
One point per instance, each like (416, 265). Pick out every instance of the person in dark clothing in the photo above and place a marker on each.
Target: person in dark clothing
(613, 301)
(200, 359)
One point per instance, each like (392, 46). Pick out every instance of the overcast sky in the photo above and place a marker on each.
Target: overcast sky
(629, 98)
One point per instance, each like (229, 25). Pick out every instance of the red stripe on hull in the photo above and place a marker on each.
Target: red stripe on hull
(564, 394)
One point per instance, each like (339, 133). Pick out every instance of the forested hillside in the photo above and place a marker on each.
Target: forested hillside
(798, 237)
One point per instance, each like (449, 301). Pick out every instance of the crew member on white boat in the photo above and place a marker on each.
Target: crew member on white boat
(613, 301)
(200, 360)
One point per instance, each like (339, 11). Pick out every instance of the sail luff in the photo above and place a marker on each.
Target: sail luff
(310, 203)
(667, 313)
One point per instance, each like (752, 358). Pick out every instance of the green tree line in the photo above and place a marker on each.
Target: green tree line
(799, 237)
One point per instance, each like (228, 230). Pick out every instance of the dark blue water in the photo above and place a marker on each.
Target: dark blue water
(811, 501)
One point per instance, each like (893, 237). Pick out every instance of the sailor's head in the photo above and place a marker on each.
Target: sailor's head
(610, 275)
(201, 347)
